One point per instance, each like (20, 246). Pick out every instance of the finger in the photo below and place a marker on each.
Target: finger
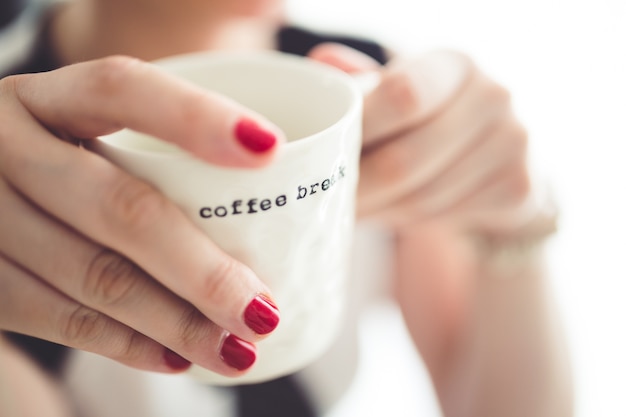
(501, 153)
(344, 58)
(110, 284)
(496, 154)
(502, 205)
(102, 96)
(122, 213)
(394, 169)
(29, 306)
(411, 92)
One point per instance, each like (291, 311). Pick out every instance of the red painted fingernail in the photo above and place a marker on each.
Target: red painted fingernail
(237, 353)
(261, 315)
(175, 361)
(253, 137)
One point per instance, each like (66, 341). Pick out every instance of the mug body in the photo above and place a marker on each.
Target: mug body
(292, 221)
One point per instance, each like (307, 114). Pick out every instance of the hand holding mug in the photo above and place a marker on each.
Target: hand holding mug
(440, 141)
(290, 221)
(444, 166)
(90, 257)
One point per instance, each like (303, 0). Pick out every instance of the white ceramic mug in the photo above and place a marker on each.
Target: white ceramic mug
(292, 221)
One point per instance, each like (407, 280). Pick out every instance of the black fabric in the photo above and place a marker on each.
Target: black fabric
(50, 356)
(9, 10)
(300, 41)
(43, 56)
(282, 397)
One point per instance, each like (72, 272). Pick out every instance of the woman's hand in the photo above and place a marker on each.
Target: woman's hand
(439, 140)
(444, 166)
(93, 258)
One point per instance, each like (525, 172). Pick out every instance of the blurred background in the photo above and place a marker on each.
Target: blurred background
(565, 63)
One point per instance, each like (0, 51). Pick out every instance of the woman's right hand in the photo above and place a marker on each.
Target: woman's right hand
(95, 259)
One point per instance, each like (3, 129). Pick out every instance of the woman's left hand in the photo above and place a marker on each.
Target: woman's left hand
(440, 140)
(444, 166)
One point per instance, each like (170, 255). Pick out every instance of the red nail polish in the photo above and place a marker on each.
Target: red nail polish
(175, 361)
(261, 315)
(238, 353)
(253, 137)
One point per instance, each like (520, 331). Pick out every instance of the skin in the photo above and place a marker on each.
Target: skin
(443, 166)
(445, 169)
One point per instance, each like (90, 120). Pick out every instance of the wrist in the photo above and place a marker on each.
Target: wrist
(523, 244)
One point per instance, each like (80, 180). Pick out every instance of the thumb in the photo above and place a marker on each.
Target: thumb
(344, 58)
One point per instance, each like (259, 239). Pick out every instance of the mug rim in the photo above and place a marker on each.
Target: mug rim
(173, 63)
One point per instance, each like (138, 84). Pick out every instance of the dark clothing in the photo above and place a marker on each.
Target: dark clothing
(300, 41)
(50, 356)
(9, 10)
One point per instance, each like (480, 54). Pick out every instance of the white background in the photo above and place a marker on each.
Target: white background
(565, 63)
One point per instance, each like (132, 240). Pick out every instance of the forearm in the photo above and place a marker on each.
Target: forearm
(510, 359)
(486, 327)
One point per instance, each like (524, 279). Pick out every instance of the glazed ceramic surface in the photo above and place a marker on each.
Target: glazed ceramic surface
(292, 221)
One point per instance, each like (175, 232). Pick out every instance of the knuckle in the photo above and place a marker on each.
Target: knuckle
(191, 328)
(110, 279)
(512, 137)
(10, 97)
(109, 75)
(83, 327)
(219, 286)
(391, 163)
(9, 84)
(498, 94)
(133, 204)
(400, 93)
(13, 85)
(396, 166)
(129, 349)
(519, 184)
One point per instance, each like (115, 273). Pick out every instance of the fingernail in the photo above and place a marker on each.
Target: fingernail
(253, 137)
(261, 315)
(175, 361)
(237, 353)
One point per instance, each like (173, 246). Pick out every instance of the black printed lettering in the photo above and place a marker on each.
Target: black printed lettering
(257, 205)
(265, 204)
(205, 213)
(236, 205)
(326, 183)
(251, 204)
(301, 192)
